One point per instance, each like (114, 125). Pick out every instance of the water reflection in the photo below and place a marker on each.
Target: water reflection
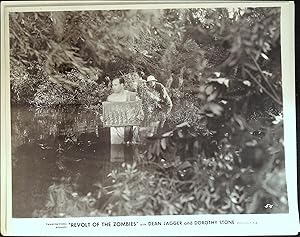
(51, 143)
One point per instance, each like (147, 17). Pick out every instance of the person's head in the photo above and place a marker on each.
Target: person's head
(151, 80)
(118, 85)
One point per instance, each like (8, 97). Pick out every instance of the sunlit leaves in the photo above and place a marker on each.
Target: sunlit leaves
(198, 47)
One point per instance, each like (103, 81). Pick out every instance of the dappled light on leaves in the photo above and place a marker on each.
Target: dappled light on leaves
(221, 148)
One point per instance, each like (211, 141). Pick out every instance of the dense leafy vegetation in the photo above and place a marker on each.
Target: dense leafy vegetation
(222, 148)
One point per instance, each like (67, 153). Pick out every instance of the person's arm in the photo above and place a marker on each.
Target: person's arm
(169, 103)
(167, 100)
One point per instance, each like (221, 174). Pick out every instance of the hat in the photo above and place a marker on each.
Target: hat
(151, 78)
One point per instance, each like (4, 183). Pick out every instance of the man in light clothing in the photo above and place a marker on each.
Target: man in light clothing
(120, 135)
(164, 100)
(162, 106)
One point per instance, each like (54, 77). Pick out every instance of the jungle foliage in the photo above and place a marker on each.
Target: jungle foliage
(223, 148)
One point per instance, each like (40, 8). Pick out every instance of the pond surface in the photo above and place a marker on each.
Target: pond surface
(48, 144)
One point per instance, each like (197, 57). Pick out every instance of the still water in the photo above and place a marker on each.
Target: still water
(51, 143)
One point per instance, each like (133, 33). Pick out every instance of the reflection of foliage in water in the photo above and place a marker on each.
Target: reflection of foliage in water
(52, 122)
(237, 179)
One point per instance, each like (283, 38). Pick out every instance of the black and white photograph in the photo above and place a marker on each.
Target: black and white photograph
(147, 112)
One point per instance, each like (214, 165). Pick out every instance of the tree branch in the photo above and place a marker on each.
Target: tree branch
(262, 87)
(265, 79)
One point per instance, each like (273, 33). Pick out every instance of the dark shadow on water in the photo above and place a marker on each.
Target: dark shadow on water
(49, 144)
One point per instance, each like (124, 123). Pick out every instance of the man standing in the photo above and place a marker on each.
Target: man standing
(125, 134)
(122, 134)
(164, 100)
(163, 103)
